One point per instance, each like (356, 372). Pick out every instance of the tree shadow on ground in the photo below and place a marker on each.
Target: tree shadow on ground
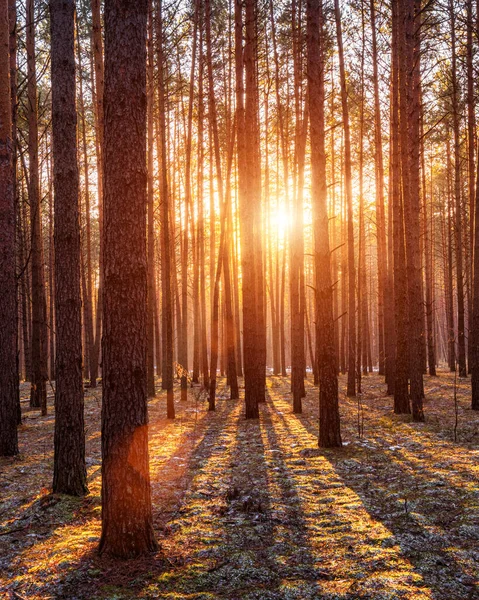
(104, 577)
(256, 546)
(421, 539)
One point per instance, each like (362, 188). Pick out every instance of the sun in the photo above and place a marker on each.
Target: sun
(280, 221)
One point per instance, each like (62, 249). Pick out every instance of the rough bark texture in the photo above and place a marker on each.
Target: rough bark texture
(461, 341)
(8, 282)
(351, 388)
(409, 123)
(100, 126)
(38, 396)
(127, 528)
(150, 212)
(329, 425)
(69, 475)
(401, 390)
(475, 308)
(384, 299)
(246, 104)
(166, 246)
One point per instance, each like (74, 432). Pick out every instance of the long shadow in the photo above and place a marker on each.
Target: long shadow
(43, 512)
(302, 566)
(110, 577)
(261, 540)
(418, 543)
(416, 435)
(193, 449)
(71, 511)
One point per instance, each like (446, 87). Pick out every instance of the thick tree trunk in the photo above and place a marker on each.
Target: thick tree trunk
(409, 122)
(254, 346)
(9, 392)
(329, 425)
(127, 522)
(471, 145)
(69, 471)
(401, 390)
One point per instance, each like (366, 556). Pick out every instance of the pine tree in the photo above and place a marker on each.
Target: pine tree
(127, 528)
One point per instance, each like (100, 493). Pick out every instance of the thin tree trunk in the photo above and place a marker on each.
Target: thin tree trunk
(461, 345)
(166, 267)
(351, 388)
(150, 212)
(99, 122)
(385, 301)
(88, 295)
(38, 397)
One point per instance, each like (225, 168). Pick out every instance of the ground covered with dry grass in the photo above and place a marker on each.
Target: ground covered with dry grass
(254, 510)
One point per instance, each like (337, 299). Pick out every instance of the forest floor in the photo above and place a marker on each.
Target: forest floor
(254, 510)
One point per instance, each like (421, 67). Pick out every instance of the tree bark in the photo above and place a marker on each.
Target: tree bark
(38, 397)
(329, 424)
(127, 522)
(9, 391)
(69, 471)
(401, 390)
(351, 387)
(409, 122)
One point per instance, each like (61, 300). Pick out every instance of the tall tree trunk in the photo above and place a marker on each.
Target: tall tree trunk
(475, 307)
(201, 215)
(127, 521)
(385, 301)
(150, 212)
(351, 388)
(428, 274)
(88, 295)
(38, 397)
(166, 254)
(461, 344)
(9, 391)
(51, 276)
(188, 203)
(296, 271)
(97, 42)
(409, 122)
(471, 144)
(329, 425)
(254, 350)
(401, 390)
(69, 470)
